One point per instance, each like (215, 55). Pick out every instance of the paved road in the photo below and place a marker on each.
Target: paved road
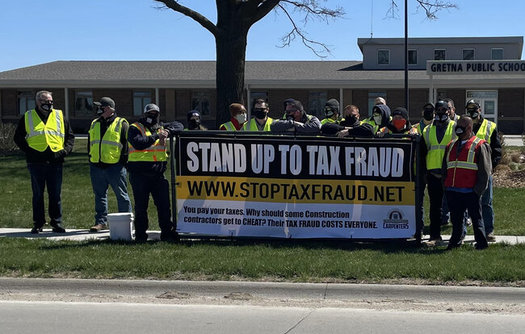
(139, 306)
(62, 318)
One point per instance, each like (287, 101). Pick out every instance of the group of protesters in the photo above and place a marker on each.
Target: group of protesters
(458, 155)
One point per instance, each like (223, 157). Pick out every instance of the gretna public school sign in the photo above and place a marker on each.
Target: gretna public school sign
(475, 67)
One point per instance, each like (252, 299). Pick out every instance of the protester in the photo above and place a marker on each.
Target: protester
(400, 124)
(237, 119)
(436, 136)
(44, 135)
(380, 117)
(349, 126)
(108, 155)
(487, 130)
(147, 163)
(260, 121)
(331, 111)
(296, 120)
(194, 121)
(466, 169)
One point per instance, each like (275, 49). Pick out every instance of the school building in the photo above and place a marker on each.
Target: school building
(487, 69)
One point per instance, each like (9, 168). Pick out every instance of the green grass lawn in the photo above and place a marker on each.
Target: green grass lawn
(279, 260)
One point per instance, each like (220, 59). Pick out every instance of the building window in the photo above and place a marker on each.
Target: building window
(371, 101)
(258, 95)
(497, 53)
(439, 54)
(83, 103)
(200, 101)
(383, 57)
(412, 57)
(26, 101)
(140, 99)
(468, 54)
(316, 102)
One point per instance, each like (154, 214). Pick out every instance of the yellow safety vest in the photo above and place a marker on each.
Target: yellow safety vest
(371, 122)
(40, 136)
(435, 149)
(155, 152)
(485, 130)
(107, 149)
(229, 126)
(328, 120)
(252, 125)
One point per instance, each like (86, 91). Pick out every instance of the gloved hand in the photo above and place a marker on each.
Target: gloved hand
(59, 155)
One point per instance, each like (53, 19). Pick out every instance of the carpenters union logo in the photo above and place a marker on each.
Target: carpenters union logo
(395, 220)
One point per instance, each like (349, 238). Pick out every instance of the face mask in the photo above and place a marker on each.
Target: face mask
(47, 106)
(460, 130)
(151, 120)
(399, 123)
(241, 118)
(328, 112)
(194, 124)
(428, 115)
(350, 120)
(259, 113)
(377, 119)
(441, 118)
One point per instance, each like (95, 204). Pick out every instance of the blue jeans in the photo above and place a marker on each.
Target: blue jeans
(101, 178)
(486, 208)
(43, 174)
(458, 203)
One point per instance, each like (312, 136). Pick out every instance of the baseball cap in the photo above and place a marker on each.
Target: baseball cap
(151, 107)
(105, 102)
(472, 104)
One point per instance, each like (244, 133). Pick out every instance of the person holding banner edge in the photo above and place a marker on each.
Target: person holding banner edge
(147, 163)
(260, 121)
(296, 120)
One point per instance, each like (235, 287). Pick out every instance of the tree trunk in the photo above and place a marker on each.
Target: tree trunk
(231, 58)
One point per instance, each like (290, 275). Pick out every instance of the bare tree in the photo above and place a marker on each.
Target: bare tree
(234, 20)
(431, 8)
(236, 17)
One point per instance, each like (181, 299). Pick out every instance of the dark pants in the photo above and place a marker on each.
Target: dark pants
(458, 203)
(143, 185)
(435, 196)
(43, 174)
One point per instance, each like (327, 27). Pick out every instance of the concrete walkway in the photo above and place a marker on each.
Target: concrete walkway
(83, 234)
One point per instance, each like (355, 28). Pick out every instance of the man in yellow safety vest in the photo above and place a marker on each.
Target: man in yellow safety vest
(108, 155)
(45, 136)
(486, 130)
(260, 121)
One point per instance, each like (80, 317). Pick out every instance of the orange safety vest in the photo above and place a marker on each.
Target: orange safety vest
(155, 152)
(462, 168)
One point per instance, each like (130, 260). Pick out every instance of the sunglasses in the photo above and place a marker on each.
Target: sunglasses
(442, 110)
(259, 109)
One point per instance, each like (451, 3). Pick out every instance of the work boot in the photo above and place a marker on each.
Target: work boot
(57, 227)
(169, 236)
(98, 228)
(36, 229)
(491, 237)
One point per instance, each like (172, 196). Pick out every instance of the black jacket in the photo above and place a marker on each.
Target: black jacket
(48, 156)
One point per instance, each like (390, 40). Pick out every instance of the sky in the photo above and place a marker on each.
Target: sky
(34, 31)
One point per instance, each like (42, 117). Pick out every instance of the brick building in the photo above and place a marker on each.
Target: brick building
(488, 69)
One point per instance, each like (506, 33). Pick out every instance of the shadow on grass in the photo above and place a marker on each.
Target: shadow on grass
(385, 246)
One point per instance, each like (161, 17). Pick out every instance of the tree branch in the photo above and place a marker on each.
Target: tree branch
(430, 7)
(263, 8)
(296, 31)
(199, 18)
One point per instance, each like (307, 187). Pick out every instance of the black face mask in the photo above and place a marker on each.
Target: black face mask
(152, 119)
(428, 115)
(350, 120)
(47, 106)
(259, 113)
(460, 130)
(193, 124)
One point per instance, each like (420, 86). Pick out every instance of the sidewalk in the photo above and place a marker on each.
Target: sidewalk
(83, 234)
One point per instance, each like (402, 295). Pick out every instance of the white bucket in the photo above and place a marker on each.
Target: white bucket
(120, 226)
